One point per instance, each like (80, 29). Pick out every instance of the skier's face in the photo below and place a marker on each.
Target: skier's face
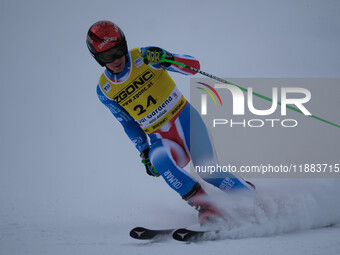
(117, 65)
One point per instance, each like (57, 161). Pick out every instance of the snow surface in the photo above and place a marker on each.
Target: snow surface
(274, 220)
(72, 183)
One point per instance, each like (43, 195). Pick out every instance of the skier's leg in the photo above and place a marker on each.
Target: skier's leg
(168, 157)
(203, 154)
(169, 153)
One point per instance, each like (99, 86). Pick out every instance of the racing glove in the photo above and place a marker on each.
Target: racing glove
(150, 170)
(155, 55)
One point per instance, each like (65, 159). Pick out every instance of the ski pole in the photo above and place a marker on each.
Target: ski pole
(163, 59)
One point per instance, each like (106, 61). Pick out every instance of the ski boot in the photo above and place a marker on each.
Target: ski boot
(207, 212)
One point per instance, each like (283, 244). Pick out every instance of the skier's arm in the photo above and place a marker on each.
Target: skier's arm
(149, 53)
(131, 127)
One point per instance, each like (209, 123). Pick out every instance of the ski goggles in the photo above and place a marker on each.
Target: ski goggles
(111, 55)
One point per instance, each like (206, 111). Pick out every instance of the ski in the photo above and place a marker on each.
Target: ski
(179, 234)
(187, 235)
(150, 234)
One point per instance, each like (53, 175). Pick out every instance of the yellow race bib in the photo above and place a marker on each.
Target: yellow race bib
(149, 95)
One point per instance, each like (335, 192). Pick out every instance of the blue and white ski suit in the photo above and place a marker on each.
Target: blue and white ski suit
(155, 114)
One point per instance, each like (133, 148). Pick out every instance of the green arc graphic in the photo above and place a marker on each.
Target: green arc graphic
(209, 93)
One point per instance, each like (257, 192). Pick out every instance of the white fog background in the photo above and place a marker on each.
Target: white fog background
(71, 182)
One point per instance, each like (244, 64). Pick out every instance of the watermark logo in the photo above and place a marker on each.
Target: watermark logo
(267, 128)
(292, 98)
(239, 99)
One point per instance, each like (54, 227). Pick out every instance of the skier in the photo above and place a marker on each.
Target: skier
(140, 93)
